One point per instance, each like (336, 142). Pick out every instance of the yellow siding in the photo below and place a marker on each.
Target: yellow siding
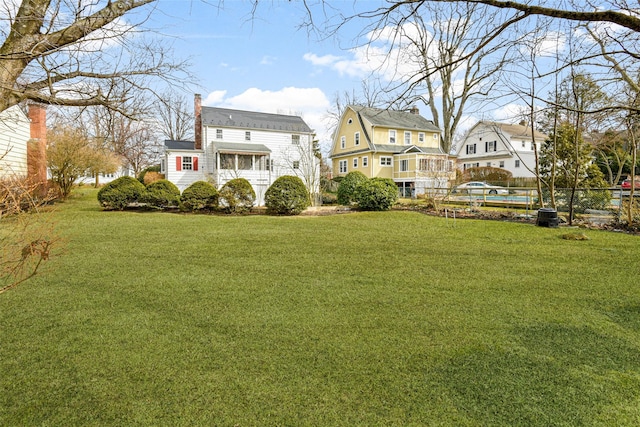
(367, 170)
(348, 131)
(381, 136)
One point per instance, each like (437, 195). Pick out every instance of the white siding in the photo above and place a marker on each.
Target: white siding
(14, 134)
(183, 179)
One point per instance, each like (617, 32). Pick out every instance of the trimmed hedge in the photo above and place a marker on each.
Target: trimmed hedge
(200, 195)
(348, 186)
(161, 193)
(376, 194)
(237, 196)
(287, 196)
(120, 193)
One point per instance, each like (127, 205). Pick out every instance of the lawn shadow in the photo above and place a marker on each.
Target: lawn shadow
(553, 375)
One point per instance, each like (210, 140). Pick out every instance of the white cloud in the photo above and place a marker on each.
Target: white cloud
(268, 60)
(214, 97)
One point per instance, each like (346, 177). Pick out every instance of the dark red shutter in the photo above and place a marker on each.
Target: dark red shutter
(178, 163)
(195, 163)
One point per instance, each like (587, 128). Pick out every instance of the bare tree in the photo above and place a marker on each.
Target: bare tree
(454, 60)
(175, 116)
(77, 53)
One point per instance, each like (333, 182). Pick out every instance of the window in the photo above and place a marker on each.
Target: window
(517, 163)
(187, 163)
(471, 148)
(392, 137)
(488, 164)
(245, 162)
(420, 136)
(404, 165)
(295, 139)
(386, 161)
(524, 144)
(490, 146)
(227, 161)
(407, 138)
(343, 166)
(343, 142)
(247, 136)
(502, 163)
(356, 138)
(365, 162)
(269, 164)
(349, 121)
(435, 136)
(296, 164)
(355, 162)
(218, 133)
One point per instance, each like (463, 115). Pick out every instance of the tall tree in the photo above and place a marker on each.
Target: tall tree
(77, 53)
(175, 116)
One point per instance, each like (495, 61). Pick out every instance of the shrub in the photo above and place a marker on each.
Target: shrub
(161, 193)
(121, 192)
(329, 198)
(151, 177)
(348, 185)
(144, 171)
(200, 195)
(287, 196)
(376, 194)
(237, 196)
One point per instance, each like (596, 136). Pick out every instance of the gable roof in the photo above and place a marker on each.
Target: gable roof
(228, 118)
(394, 119)
(515, 130)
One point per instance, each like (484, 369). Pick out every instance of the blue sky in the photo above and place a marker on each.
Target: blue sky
(265, 62)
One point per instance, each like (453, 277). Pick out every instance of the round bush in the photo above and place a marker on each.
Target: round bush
(121, 192)
(376, 194)
(141, 175)
(237, 196)
(348, 186)
(287, 196)
(161, 193)
(200, 195)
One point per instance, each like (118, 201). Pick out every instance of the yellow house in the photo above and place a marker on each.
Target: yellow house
(401, 145)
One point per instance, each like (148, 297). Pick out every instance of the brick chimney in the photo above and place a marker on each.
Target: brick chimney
(414, 110)
(37, 146)
(197, 106)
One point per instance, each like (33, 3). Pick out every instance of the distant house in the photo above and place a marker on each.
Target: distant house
(259, 147)
(400, 145)
(23, 143)
(500, 145)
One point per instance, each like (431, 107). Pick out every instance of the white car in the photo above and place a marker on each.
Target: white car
(477, 187)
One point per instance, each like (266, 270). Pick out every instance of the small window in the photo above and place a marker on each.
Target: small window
(491, 146)
(407, 138)
(488, 164)
(355, 162)
(471, 148)
(187, 163)
(365, 162)
(386, 161)
(343, 142)
(517, 163)
(247, 136)
(524, 144)
(502, 163)
(295, 139)
(392, 137)
(435, 136)
(343, 166)
(356, 138)
(296, 164)
(420, 136)
(218, 133)
(404, 165)
(349, 121)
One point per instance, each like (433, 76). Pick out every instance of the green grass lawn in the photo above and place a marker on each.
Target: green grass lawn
(391, 318)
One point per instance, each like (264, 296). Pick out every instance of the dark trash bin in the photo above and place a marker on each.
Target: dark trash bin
(547, 217)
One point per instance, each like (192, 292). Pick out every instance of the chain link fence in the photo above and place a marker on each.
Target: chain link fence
(594, 205)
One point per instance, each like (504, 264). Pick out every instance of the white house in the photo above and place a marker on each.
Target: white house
(500, 145)
(15, 132)
(259, 147)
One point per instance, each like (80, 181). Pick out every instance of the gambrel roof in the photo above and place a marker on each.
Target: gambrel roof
(228, 118)
(395, 119)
